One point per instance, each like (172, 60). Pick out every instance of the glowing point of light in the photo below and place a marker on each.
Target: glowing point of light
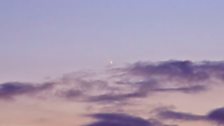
(111, 62)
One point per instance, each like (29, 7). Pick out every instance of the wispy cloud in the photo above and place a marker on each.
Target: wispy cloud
(137, 80)
(120, 85)
(10, 90)
(216, 115)
(178, 70)
(120, 119)
(169, 114)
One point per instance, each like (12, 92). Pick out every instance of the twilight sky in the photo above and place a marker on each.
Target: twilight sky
(167, 62)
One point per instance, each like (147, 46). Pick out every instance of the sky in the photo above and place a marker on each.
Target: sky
(111, 62)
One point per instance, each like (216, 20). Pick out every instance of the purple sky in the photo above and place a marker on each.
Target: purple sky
(50, 45)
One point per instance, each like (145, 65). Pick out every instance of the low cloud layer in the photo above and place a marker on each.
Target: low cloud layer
(174, 115)
(216, 115)
(137, 80)
(140, 80)
(119, 119)
(179, 70)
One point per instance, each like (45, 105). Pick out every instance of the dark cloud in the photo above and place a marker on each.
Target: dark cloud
(11, 89)
(180, 70)
(118, 119)
(169, 76)
(216, 115)
(138, 80)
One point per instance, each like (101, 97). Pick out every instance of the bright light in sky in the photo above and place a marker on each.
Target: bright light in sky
(111, 62)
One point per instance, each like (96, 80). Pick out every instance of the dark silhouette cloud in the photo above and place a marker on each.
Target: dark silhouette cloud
(118, 119)
(216, 115)
(180, 70)
(11, 89)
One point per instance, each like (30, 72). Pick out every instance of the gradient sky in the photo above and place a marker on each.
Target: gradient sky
(49, 37)
(46, 40)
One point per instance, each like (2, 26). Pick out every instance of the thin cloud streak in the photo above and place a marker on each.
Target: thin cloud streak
(120, 119)
(10, 90)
